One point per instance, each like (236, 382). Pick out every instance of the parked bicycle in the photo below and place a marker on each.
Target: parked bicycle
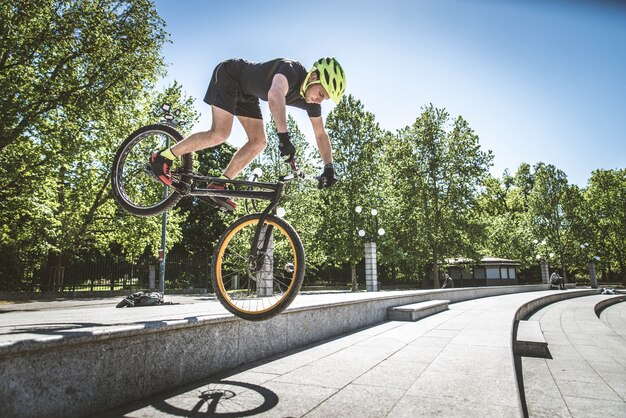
(258, 264)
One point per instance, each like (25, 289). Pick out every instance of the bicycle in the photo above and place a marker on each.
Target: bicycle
(258, 264)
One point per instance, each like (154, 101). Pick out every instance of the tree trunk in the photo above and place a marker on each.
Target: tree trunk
(355, 286)
(435, 273)
(53, 273)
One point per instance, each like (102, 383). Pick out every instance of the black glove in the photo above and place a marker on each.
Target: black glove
(327, 178)
(286, 147)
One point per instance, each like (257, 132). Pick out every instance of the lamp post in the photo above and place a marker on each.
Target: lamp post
(593, 259)
(171, 121)
(371, 273)
(543, 256)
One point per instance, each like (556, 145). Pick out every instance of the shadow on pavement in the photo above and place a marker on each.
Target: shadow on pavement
(209, 398)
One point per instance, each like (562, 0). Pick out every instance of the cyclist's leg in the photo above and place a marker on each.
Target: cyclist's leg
(254, 146)
(161, 161)
(220, 131)
(222, 95)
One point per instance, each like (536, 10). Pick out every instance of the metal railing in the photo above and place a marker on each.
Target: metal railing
(109, 274)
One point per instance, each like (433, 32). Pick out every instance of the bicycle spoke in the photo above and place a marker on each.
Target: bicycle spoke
(256, 288)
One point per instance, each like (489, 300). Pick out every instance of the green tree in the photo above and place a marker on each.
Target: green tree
(131, 234)
(606, 199)
(548, 212)
(82, 216)
(70, 97)
(79, 59)
(356, 139)
(438, 168)
(504, 207)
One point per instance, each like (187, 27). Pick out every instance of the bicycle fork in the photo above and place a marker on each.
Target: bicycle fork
(263, 236)
(259, 250)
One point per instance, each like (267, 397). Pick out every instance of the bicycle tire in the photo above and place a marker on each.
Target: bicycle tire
(134, 189)
(257, 295)
(125, 302)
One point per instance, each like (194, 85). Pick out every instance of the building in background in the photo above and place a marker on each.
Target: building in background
(489, 271)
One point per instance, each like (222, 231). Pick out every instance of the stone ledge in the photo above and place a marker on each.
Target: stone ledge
(416, 311)
(528, 309)
(530, 341)
(602, 305)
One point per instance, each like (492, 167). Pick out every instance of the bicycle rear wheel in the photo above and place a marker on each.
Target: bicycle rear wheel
(134, 187)
(258, 289)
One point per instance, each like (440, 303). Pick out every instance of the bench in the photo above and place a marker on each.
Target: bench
(416, 311)
(529, 341)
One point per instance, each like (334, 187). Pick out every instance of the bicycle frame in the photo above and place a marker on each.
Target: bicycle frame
(273, 194)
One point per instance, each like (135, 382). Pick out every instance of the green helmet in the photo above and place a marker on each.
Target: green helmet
(331, 77)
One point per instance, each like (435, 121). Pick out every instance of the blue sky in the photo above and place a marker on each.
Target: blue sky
(536, 80)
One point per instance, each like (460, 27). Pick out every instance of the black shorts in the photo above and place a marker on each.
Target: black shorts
(224, 91)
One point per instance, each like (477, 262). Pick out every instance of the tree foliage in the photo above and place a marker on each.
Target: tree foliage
(77, 60)
(77, 77)
(356, 139)
(605, 198)
(437, 168)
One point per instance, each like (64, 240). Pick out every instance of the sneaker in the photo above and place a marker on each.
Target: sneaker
(161, 168)
(223, 202)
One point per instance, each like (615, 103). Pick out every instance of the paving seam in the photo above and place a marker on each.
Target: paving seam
(337, 390)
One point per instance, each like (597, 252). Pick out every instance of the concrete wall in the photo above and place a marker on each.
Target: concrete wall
(528, 309)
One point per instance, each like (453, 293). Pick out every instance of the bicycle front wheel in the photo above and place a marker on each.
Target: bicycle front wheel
(260, 287)
(134, 187)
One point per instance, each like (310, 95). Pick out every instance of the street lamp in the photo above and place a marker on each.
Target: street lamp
(592, 260)
(171, 119)
(371, 273)
(379, 231)
(543, 256)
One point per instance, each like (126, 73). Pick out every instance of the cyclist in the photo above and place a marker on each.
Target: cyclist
(235, 89)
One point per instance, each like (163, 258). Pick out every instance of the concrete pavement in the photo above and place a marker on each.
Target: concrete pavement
(455, 363)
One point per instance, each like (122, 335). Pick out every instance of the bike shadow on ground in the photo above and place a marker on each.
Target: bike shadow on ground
(212, 397)
(220, 395)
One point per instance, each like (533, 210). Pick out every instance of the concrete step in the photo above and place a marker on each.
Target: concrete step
(415, 311)
(530, 341)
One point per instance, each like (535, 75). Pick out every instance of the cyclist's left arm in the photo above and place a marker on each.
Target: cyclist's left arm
(322, 140)
(276, 100)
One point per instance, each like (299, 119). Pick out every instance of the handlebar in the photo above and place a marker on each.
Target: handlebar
(295, 170)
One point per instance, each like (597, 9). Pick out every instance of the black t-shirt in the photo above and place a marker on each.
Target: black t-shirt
(256, 80)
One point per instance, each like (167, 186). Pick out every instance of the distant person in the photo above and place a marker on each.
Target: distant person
(448, 283)
(556, 280)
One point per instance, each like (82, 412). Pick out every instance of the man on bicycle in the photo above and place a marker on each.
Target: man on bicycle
(235, 89)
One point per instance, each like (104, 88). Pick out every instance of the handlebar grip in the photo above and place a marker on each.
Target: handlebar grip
(294, 166)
